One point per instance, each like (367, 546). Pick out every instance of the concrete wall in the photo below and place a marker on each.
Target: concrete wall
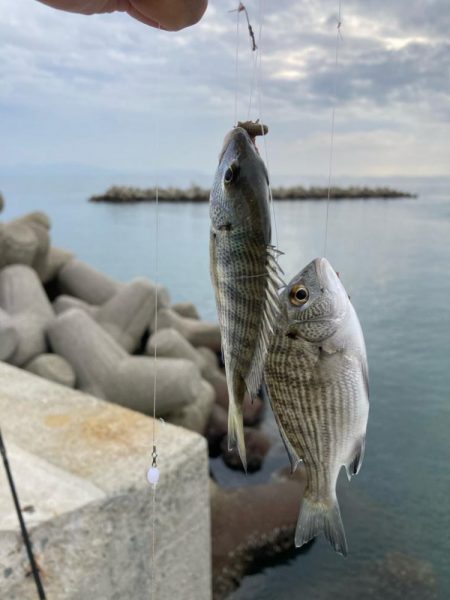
(80, 465)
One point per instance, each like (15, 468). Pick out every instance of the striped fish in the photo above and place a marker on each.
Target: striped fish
(244, 272)
(317, 381)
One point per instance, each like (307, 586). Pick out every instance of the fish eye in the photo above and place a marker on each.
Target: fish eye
(230, 174)
(299, 295)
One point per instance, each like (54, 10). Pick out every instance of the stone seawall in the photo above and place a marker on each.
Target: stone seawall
(80, 466)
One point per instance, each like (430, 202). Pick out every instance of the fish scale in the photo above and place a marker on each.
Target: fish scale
(244, 272)
(316, 379)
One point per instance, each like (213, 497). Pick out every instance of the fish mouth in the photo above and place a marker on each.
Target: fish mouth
(238, 143)
(326, 275)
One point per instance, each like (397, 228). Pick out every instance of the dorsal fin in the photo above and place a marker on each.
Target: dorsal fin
(270, 313)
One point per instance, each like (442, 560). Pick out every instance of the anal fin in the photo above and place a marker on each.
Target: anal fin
(355, 463)
(236, 437)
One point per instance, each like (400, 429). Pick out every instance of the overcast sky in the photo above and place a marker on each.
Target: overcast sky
(78, 89)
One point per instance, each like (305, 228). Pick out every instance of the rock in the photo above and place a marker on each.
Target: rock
(9, 338)
(40, 224)
(216, 430)
(171, 344)
(54, 368)
(127, 315)
(198, 333)
(78, 279)
(186, 309)
(56, 259)
(104, 369)
(249, 524)
(396, 576)
(18, 244)
(65, 302)
(23, 298)
(163, 296)
(257, 444)
(209, 356)
(195, 416)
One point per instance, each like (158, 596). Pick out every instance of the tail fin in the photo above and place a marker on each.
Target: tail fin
(236, 431)
(316, 517)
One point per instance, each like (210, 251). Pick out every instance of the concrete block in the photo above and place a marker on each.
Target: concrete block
(104, 369)
(93, 534)
(56, 259)
(128, 314)
(79, 279)
(9, 337)
(52, 367)
(170, 343)
(186, 309)
(196, 416)
(23, 298)
(65, 302)
(39, 223)
(198, 333)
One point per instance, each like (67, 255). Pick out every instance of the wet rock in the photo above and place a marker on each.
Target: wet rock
(257, 444)
(186, 309)
(23, 298)
(79, 279)
(198, 333)
(52, 367)
(249, 525)
(399, 576)
(104, 369)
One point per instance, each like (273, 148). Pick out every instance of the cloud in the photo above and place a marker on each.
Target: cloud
(99, 88)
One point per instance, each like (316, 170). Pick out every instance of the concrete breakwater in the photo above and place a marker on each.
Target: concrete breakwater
(195, 193)
(63, 321)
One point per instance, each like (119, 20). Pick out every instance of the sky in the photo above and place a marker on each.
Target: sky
(108, 92)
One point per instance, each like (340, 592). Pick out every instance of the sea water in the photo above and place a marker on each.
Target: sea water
(394, 259)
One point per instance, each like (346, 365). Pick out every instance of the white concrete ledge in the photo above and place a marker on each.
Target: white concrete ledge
(80, 463)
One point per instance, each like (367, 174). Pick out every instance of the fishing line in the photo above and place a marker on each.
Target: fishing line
(333, 113)
(255, 56)
(261, 11)
(153, 472)
(236, 74)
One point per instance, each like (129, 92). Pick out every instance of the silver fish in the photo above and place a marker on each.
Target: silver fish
(317, 381)
(244, 272)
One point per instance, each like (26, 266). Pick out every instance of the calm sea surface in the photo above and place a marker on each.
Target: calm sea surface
(394, 258)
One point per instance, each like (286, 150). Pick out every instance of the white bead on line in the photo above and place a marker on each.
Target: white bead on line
(153, 475)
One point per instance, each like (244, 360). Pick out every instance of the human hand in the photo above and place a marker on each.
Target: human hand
(171, 15)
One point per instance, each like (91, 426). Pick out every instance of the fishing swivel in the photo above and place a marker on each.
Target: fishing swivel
(153, 472)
